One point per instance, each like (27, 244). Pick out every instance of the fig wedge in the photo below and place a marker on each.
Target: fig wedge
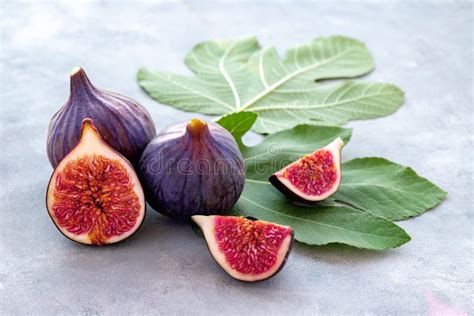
(248, 250)
(314, 177)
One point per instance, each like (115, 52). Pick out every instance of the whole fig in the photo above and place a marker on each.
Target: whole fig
(124, 124)
(192, 168)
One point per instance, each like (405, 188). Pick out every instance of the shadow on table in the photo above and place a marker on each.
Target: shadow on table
(342, 254)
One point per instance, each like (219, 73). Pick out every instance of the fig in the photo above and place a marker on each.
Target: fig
(94, 195)
(247, 249)
(192, 168)
(124, 124)
(314, 177)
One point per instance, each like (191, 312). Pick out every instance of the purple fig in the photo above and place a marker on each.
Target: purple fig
(123, 123)
(192, 168)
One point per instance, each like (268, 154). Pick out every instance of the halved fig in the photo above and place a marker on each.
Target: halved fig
(94, 195)
(314, 177)
(248, 250)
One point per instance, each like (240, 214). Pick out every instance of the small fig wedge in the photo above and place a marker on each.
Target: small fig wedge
(248, 250)
(94, 195)
(314, 177)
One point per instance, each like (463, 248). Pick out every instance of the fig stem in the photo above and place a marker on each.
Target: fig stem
(196, 126)
(75, 70)
(89, 131)
(80, 85)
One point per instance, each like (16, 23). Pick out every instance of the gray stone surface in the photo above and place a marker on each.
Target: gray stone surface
(425, 48)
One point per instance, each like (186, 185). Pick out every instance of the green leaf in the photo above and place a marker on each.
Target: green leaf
(373, 190)
(320, 225)
(238, 124)
(386, 189)
(222, 63)
(327, 105)
(186, 93)
(237, 75)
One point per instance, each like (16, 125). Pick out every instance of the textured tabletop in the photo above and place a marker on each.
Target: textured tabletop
(424, 48)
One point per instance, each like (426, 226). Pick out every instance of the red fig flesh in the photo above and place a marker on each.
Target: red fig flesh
(248, 250)
(94, 195)
(314, 177)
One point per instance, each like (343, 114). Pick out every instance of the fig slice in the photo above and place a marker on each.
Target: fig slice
(314, 177)
(94, 195)
(247, 249)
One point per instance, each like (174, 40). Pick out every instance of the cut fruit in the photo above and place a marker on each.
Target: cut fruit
(314, 177)
(249, 250)
(94, 195)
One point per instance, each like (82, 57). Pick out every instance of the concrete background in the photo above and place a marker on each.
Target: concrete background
(425, 48)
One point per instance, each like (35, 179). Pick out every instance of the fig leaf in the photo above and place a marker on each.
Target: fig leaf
(238, 124)
(238, 75)
(373, 191)
(386, 189)
(320, 225)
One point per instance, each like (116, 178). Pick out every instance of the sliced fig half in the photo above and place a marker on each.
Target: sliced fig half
(94, 195)
(249, 250)
(314, 177)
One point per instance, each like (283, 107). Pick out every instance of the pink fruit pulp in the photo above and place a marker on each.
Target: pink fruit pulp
(250, 247)
(94, 195)
(314, 174)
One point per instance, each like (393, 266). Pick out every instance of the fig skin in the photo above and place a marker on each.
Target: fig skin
(192, 168)
(90, 144)
(207, 225)
(280, 180)
(123, 123)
